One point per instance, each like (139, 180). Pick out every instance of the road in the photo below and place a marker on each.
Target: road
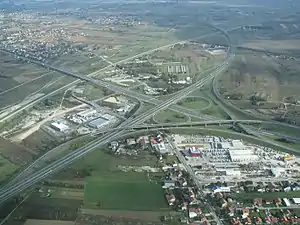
(194, 178)
(69, 158)
(96, 73)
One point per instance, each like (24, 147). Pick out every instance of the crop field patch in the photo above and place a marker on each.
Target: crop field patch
(6, 168)
(141, 196)
(275, 45)
(140, 215)
(48, 222)
(15, 153)
(68, 193)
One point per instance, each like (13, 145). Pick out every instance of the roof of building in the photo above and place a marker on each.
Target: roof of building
(296, 200)
(98, 122)
(60, 126)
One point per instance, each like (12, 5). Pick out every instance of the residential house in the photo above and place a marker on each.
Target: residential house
(258, 201)
(248, 220)
(246, 213)
(170, 199)
(169, 184)
(278, 201)
(130, 141)
(184, 206)
(230, 211)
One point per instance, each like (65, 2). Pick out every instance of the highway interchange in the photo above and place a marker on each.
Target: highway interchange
(129, 125)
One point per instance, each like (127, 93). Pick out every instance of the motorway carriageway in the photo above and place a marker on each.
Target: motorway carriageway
(69, 158)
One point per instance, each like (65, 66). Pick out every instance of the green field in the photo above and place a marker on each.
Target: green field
(169, 116)
(197, 104)
(6, 168)
(108, 187)
(134, 193)
(267, 195)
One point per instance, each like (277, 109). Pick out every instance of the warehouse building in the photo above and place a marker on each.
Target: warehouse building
(243, 155)
(194, 152)
(59, 126)
(99, 123)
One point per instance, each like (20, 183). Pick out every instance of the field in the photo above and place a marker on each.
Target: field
(267, 195)
(139, 215)
(197, 103)
(274, 45)
(167, 116)
(6, 169)
(122, 194)
(47, 222)
(15, 153)
(263, 86)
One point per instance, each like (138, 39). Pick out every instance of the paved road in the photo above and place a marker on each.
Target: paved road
(69, 158)
(99, 73)
(194, 178)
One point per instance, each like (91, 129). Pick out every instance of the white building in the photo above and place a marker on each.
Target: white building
(161, 148)
(278, 171)
(287, 202)
(99, 123)
(234, 173)
(296, 201)
(60, 127)
(222, 189)
(243, 155)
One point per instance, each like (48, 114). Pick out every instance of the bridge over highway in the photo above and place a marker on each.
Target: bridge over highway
(182, 124)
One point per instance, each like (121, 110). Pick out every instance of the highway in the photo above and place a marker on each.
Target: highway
(69, 158)
(96, 73)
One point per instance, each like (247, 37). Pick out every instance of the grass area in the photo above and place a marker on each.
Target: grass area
(267, 195)
(6, 168)
(284, 129)
(197, 103)
(126, 192)
(109, 188)
(169, 116)
(215, 111)
(92, 92)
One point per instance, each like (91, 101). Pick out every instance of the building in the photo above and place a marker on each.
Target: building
(296, 201)
(99, 123)
(221, 189)
(287, 202)
(58, 126)
(161, 148)
(231, 172)
(131, 141)
(278, 171)
(114, 101)
(169, 184)
(195, 152)
(87, 113)
(242, 155)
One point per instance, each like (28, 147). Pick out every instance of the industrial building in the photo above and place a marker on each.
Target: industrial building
(99, 123)
(114, 101)
(221, 189)
(278, 171)
(84, 116)
(161, 148)
(242, 155)
(59, 126)
(296, 201)
(195, 152)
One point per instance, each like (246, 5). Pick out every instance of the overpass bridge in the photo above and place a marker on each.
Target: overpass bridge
(182, 124)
